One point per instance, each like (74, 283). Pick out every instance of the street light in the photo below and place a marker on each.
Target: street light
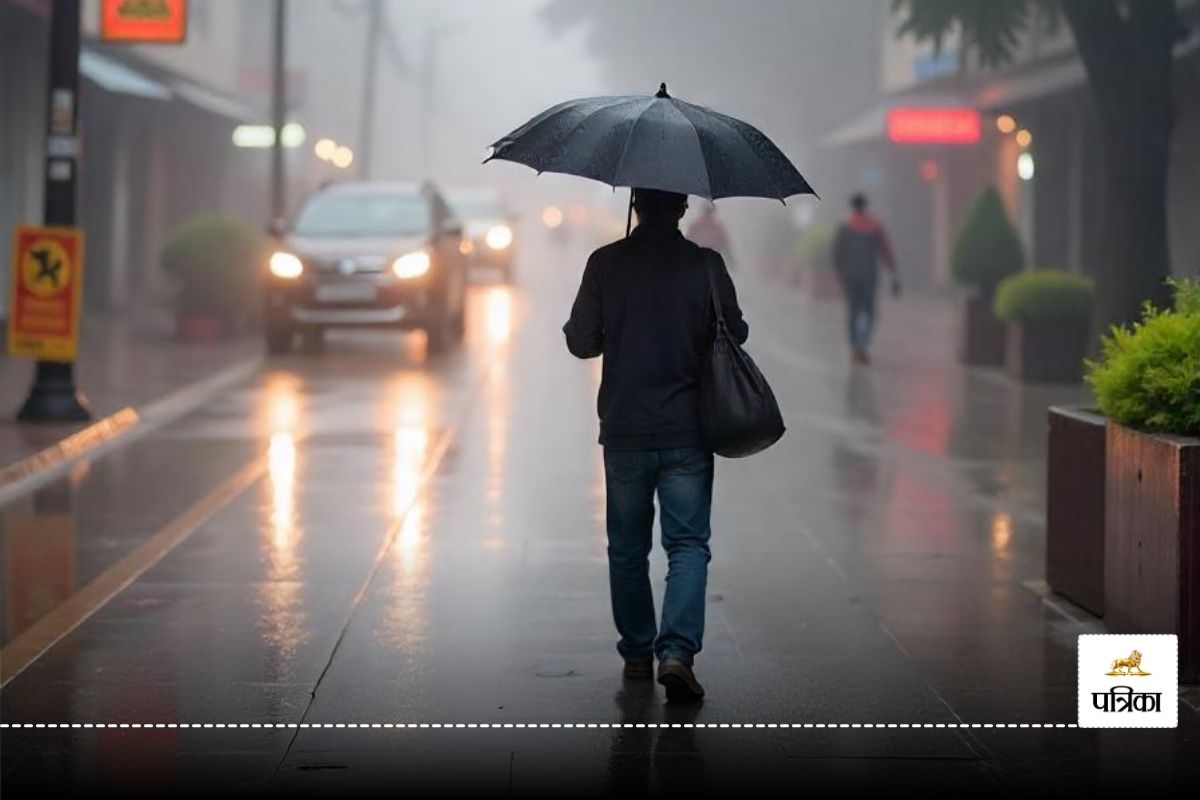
(325, 148)
(342, 157)
(1025, 166)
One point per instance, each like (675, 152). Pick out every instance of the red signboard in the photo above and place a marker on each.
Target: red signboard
(933, 125)
(161, 21)
(47, 276)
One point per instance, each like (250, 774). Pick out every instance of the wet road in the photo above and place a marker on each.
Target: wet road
(371, 536)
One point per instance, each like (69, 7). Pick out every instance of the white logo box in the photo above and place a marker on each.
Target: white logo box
(1129, 699)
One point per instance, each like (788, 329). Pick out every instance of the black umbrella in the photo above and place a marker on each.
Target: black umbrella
(656, 142)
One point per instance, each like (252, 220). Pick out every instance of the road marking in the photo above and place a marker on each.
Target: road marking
(119, 428)
(70, 448)
(33, 642)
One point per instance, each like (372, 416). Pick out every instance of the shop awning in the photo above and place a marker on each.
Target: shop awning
(113, 76)
(871, 124)
(213, 102)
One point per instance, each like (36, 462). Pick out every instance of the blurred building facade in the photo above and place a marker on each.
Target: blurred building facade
(155, 125)
(1038, 144)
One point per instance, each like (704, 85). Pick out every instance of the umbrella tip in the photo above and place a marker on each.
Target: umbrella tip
(662, 90)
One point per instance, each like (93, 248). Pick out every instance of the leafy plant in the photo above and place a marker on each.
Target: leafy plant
(814, 246)
(1044, 295)
(1149, 374)
(216, 261)
(987, 249)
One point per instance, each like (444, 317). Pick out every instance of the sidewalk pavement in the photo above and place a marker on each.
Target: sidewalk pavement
(123, 363)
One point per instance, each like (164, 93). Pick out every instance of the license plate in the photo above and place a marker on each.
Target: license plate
(346, 293)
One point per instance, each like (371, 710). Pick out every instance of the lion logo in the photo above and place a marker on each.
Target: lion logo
(1128, 666)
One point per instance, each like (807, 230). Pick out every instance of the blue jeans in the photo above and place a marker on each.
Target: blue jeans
(860, 315)
(683, 480)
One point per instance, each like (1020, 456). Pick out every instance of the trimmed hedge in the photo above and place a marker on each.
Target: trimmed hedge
(217, 262)
(1043, 295)
(987, 249)
(1149, 374)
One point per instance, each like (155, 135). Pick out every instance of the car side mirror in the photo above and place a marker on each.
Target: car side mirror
(277, 227)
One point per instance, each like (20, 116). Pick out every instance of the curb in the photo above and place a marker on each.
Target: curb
(124, 425)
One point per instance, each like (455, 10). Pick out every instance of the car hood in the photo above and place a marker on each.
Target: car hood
(478, 228)
(328, 248)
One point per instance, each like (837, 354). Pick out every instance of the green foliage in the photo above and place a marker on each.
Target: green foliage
(987, 249)
(1149, 374)
(1044, 295)
(814, 246)
(217, 263)
(992, 28)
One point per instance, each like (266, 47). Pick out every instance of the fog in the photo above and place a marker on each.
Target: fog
(463, 72)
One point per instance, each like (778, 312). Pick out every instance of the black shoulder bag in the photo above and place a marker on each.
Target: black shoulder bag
(738, 413)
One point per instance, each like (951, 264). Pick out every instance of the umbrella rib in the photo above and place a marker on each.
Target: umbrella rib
(608, 102)
(700, 146)
(728, 123)
(629, 139)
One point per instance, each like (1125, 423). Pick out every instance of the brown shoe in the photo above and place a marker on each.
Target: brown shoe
(680, 681)
(639, 669)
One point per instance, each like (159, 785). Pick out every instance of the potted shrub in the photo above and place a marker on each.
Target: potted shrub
(986, 251)
(1048, 314)
(814, 257)
(1147, 382)
(214, 262)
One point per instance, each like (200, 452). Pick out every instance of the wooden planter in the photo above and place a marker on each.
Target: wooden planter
(1152, 539)
(982, 338)
(1046, 351)
(199, 328)
(821, 283)
(1075, 506)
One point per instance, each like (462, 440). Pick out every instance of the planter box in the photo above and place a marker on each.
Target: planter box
(1047, 352)
(199, 329)
(820, 283)
(982, 338)
(1152, 539)
(1075, 506)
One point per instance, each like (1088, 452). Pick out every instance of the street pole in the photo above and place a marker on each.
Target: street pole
(53, 397)
(366, 125)
(278, 113)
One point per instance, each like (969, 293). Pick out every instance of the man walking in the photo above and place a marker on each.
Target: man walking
(860, 244)
(645, 305)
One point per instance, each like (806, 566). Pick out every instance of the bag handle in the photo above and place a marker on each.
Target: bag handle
(711, 268)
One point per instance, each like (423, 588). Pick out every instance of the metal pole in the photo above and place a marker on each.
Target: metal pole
(53, 397)
(366, 125)
(279, 112)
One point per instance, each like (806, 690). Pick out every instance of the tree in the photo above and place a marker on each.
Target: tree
(1126, 50)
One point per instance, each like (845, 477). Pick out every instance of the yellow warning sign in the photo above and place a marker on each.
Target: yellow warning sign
(47, 271)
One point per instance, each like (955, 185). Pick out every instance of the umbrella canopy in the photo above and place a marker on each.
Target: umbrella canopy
(656, 142)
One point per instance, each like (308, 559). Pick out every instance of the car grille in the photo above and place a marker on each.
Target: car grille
(361, 265)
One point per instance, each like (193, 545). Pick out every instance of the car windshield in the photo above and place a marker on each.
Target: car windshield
(470, 208)
(363, 214)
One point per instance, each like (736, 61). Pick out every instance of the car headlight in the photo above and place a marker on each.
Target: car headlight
(499, 237)
(411, 265)
(285, 265)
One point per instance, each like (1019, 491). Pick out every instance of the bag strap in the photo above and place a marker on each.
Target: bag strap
(710, 266)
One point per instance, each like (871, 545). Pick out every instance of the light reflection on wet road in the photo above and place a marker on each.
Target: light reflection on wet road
(425, 544)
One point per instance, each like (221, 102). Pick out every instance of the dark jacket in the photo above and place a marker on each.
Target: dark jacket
(645, 305)
(861, 243)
